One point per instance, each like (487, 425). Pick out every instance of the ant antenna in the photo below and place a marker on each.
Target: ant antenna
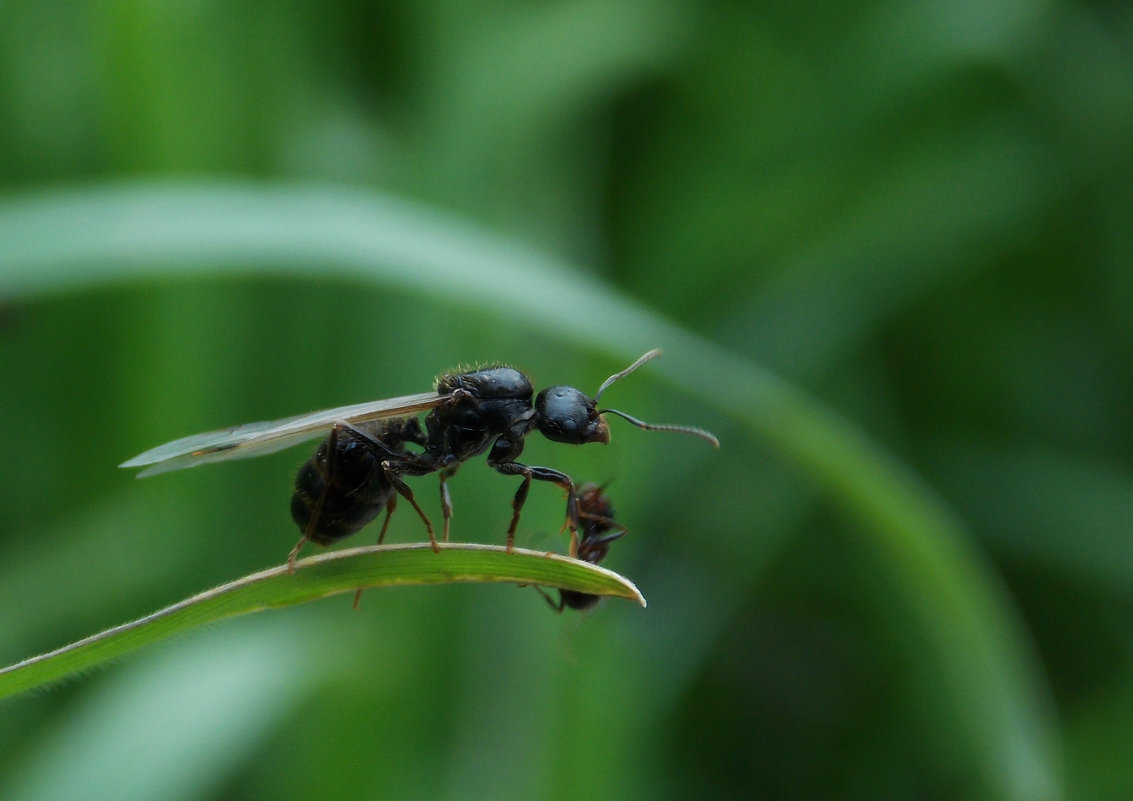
(696, 432)
(653, 354)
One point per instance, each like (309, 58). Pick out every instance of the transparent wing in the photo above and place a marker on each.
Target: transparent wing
(257, 439)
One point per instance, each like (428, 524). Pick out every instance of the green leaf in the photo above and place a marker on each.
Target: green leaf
(317, 577)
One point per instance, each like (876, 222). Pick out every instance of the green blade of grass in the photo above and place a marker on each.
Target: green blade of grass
(317, 577)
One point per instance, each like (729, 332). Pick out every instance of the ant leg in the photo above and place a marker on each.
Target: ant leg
(391, 504)
(516, 507)
(332, 447)
(291, 557)
(539, 474)
(572, 520)
(558, 607)
(392, 470)
(446, 499)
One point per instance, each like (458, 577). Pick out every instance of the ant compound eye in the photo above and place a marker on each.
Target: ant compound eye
(565, 414)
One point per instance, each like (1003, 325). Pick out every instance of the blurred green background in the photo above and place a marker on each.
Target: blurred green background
(917, 212)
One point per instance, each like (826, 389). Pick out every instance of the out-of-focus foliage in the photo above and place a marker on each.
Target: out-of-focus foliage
(919, 211)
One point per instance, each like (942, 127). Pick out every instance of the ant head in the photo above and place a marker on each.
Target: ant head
(565, 414)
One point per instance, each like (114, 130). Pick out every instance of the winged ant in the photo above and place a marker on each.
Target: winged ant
(358, 470)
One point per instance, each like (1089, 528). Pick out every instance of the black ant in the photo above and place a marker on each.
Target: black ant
(358, 469)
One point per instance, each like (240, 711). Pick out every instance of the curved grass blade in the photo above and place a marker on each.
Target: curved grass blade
(317, 577)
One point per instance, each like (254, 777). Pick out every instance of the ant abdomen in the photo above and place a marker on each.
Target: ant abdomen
(342, 488)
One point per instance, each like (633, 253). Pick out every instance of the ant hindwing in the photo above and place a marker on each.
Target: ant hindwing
(358, 470)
